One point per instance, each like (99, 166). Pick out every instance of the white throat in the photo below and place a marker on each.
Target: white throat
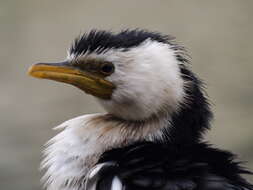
(77, 148)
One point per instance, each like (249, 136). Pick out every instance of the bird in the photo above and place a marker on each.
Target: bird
(151, 136)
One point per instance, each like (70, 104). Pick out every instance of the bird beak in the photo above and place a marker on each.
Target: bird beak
(67, 73)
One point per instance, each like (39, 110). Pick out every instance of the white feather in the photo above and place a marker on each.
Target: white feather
(75, 150)
(116, 184)
(94, 174)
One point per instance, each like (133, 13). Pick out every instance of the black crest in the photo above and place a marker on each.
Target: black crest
(99, 40)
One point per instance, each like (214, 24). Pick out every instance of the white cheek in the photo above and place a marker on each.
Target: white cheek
(148, 81)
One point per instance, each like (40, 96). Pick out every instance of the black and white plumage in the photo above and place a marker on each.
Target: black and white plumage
(151, 135)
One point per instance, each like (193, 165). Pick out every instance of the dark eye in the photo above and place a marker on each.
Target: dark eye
(107, 68)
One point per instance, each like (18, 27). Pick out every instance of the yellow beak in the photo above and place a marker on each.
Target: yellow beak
(64, 72)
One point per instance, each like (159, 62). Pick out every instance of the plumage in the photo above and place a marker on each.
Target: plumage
(151, 136)
(159, 166)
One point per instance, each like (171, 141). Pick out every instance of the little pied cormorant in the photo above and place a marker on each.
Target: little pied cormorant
(151, 136)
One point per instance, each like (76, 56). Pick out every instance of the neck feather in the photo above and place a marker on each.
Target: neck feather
(77, 148)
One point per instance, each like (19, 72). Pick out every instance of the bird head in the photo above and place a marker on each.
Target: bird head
(135, 74)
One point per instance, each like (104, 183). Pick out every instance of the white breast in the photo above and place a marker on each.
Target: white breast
(71, 153)
(76, 149)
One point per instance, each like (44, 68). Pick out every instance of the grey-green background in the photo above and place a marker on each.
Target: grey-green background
(217, 33)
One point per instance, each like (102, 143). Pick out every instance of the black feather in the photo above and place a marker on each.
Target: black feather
(100, 41)
(168, 167)
(193, 119)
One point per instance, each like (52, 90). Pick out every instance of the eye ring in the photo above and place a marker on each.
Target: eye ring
(107, 68)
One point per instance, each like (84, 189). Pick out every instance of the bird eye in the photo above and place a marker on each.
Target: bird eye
(107, 68)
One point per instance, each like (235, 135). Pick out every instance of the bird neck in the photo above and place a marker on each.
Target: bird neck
(105, 131)
(78, 147)
(84, 139)
(193, 119)
(135, 130)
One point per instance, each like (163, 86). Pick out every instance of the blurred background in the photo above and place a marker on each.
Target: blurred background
(217, 34)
